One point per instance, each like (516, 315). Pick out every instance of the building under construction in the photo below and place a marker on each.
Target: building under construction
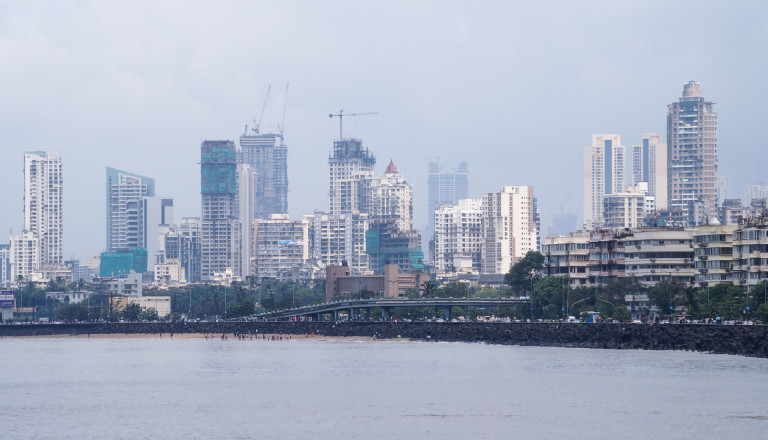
(220, 243)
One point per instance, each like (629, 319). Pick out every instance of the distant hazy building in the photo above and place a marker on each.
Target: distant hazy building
(509, 228)
(723, 188)
(458, 237)
(267, 154)
(43, 204)
(603, 165)
(349, 166)
(692, 155)
(220, 223)
(649, 164)
(754, 192)
(444, 186)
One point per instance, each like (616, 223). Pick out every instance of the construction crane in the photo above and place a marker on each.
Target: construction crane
(341, 118)
(281, 127)
(257, 124)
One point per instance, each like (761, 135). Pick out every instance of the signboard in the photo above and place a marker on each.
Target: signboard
(6, 299)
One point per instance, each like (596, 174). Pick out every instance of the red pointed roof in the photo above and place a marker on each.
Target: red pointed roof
(391, 168)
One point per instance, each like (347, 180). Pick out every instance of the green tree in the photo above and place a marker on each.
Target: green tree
(430, 287)
(244, 308)
(454, 289)
(132, 312)
(548, 298)
(522, 274)
(149, 314)
(72, 312)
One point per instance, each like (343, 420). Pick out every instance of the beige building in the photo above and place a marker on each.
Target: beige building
(162, 304)
(713, 254)
(567, 256)
(750, 253)
(509, 228)
(340, 281)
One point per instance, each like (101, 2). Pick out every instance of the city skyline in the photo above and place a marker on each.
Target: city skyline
(117, 91)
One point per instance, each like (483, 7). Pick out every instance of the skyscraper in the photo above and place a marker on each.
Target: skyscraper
(349, 166)
(43, 204)
(220, 229)
(604, 165)
(126, 192)
(649, 164)
(692, 155)
(509, 228)
(269, 160)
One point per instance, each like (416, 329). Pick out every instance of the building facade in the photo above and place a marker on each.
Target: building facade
(350, 165)
(509, 228)
(267, 154)
(458, 237)
(126, 192)
(339, 239)
(43, 204)
(649, 164)
(692, 156)
(281, 246)
(444, 187)
(567, 256)
(604, 164)
(220, 227)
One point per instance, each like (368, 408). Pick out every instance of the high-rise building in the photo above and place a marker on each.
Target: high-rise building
(281, 246)
(220, 227)
(509, 228)
(267, 154)
(604, 164)
(43, 204)
(246, 186)
(692, 156)
(341, 239)
(134, 213)
(457, 237)
(388, 198)
(444, 186)
(349, 166)
(625, 209)
(5, 265)
(649, 164)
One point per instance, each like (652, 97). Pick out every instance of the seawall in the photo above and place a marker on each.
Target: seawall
(725, 339)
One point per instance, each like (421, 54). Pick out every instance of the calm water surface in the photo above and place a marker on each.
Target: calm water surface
(201, 389)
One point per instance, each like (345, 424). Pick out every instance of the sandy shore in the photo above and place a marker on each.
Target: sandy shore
(229, 337)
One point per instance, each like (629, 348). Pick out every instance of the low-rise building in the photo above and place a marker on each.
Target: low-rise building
(567, 256)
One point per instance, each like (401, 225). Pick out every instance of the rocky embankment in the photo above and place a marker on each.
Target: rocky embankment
(726, 339)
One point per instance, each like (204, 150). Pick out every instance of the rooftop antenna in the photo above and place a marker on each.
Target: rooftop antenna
(257, 124)
(341, 119)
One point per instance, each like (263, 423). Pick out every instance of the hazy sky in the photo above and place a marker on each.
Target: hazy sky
(515, 88)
